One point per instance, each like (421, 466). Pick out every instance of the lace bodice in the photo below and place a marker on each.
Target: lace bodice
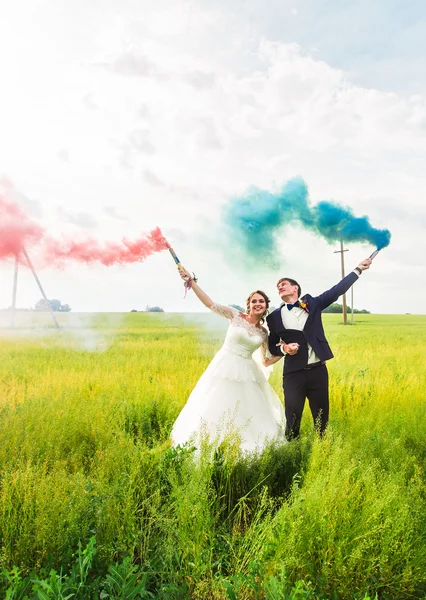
(242, 337)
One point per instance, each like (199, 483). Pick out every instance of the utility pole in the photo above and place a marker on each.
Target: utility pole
(15, 287)
(342, 264)
(30, 264)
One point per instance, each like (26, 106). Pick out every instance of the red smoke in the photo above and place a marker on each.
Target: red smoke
(109, 253)
(16, 229)
(17, 232)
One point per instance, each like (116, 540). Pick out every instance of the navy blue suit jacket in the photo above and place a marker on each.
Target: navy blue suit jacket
(313, 332)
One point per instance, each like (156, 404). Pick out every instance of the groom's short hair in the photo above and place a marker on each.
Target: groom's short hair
(293, 282)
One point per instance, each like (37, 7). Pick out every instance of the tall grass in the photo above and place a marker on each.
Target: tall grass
(85, 455)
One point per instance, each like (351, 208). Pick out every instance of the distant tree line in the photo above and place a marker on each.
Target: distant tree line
(338, 308)
(333, 308)
(54, 304)
(155, 309)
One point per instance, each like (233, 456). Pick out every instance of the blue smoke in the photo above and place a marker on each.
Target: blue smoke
(254, 219)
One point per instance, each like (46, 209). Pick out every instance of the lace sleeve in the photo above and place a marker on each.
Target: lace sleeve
(261, 354)
(264, 350)
(224, 311)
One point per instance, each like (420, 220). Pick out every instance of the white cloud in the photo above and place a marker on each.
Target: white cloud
(133, 64)
(152, 178)
(112, 212)
(79, 218)
(63, 155)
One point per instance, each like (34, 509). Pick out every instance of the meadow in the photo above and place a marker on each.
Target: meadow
(94, 503)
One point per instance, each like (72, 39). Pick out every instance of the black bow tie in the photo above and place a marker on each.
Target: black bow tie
(290, 306)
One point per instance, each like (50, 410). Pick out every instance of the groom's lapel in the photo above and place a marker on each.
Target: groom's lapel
(311, 311)
(278, 319)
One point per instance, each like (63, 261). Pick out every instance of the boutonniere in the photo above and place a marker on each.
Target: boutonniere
(303, 305)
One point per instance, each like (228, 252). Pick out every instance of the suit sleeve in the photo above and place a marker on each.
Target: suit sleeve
(331, 295)
(273, 340)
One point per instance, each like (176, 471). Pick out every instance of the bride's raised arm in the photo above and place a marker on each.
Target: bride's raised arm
(223, 311)
(187, 277)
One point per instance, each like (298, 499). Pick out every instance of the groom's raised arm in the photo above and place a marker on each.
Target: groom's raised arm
(331, 295)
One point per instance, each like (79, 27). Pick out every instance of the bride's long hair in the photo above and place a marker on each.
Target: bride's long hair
(265, 297)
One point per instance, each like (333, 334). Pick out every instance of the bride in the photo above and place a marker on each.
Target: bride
(233, 397)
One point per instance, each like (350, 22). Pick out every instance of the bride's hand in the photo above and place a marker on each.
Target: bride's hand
(185, 275)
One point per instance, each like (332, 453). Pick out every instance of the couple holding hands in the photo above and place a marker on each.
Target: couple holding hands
(233, 397)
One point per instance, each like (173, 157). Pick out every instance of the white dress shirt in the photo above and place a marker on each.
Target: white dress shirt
(296, 319)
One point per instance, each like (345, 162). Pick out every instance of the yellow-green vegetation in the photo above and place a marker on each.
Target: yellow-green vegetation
(95, 503)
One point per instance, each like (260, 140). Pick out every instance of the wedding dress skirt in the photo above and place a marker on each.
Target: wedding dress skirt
(233, 397)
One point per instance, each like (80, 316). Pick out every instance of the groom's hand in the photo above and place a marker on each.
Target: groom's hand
(289, 348)
(365, 264)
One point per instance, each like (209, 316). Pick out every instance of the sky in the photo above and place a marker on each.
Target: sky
(120, 116)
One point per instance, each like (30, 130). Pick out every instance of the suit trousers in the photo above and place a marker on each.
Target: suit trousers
(299, 385)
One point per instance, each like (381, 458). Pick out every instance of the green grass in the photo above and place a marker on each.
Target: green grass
(86, 467)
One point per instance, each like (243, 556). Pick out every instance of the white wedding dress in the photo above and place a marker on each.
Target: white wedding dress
(233, 397)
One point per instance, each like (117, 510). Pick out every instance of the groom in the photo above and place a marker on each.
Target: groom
(296, 331)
